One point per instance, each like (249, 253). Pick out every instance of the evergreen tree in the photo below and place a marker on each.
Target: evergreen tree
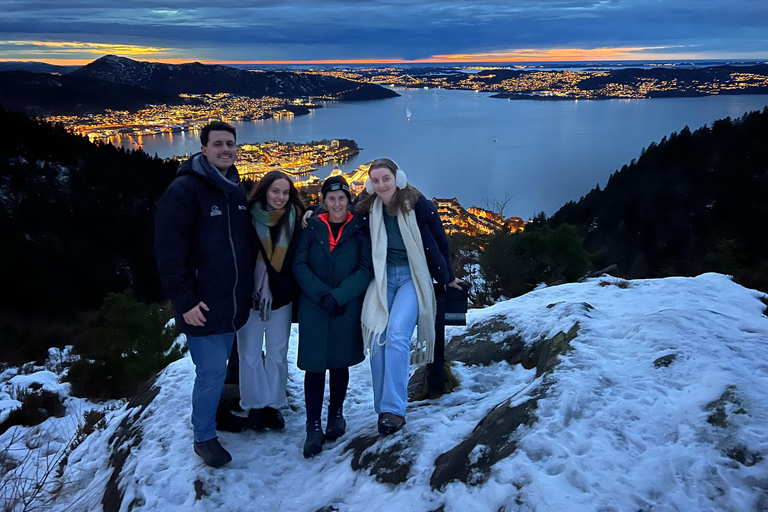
(694, 202)
(129, 342)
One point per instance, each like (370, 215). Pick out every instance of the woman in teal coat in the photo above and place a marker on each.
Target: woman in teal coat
(333, 267)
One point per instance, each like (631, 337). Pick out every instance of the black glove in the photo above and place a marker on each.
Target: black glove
(328, 303)
(339, 310)
(330, 306)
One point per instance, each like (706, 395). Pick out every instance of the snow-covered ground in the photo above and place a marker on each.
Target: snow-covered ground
(615, 432)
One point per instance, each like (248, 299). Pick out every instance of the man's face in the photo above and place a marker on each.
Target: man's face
(221, 149)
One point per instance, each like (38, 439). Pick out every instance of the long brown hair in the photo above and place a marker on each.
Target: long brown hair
(259, 191)
(403, 201)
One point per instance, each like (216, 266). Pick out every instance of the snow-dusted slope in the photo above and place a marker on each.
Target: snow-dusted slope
(659, 404)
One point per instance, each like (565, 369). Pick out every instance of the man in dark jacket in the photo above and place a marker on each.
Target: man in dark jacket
(203, 252)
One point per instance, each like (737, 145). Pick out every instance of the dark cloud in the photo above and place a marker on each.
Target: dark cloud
(354, 29)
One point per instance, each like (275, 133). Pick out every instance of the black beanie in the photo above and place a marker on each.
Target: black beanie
(336, 183)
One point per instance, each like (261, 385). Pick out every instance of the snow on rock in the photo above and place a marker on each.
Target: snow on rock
(39, 380)
(652, 398)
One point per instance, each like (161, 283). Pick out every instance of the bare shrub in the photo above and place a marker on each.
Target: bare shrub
(621, 283)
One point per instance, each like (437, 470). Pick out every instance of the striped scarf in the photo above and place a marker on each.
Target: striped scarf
(263, 220)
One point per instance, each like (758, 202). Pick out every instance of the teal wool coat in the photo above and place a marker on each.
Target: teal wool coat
(332, 342)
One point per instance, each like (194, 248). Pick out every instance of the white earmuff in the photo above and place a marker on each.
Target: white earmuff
(401, 180)
(368, 186)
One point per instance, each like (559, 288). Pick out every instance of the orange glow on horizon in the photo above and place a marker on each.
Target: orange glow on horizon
(83, 62)
(520, 55)
(524, 55)
(73, 53)
(552, 54)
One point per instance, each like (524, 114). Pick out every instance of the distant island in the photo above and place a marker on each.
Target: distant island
(256, 159)
(567, 84)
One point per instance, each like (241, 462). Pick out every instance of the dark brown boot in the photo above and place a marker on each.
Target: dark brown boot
(389, 423)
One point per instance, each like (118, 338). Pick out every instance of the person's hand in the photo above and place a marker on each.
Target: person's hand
(328, 303)
(339, 310)
(195, 315)
(455, 283)
(305, 218)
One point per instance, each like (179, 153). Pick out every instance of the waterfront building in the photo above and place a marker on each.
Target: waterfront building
(474, 221)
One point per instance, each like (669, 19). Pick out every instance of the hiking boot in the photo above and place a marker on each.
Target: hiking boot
(256, 420)
(273, 418)
(229, 422)
(212, 453)
(315, 439)
(389, 423)
(337, 425)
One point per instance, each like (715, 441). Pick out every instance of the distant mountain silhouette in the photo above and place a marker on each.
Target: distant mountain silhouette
(39, 94)
(695, 202)
(197, 78)
(682, 76)
(35, 67)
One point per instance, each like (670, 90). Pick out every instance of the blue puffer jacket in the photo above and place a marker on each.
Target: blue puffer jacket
(203, 247)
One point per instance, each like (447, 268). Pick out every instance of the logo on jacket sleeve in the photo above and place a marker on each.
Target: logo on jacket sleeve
(215, 211)
(241, 207)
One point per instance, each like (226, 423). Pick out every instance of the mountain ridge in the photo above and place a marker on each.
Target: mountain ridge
(197, 78)
(35, 67)
(41, 94)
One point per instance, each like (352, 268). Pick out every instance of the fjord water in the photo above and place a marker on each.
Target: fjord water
(467, 145)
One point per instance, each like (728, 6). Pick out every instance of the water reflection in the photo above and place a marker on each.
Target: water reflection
(466, 145)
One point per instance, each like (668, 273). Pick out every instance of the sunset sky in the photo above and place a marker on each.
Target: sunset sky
(350, 31)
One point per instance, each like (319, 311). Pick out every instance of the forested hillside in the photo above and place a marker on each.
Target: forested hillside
(694, 202)
(76, 222)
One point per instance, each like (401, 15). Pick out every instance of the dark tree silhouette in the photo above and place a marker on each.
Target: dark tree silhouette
(76, 222)
(694, 202)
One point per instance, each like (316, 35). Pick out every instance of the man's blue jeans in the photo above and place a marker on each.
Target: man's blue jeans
(391, 362)
(210, 354)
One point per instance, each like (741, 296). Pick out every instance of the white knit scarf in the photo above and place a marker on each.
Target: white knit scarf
(375, 314)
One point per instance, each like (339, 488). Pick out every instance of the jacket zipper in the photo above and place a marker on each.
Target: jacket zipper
(234, 259)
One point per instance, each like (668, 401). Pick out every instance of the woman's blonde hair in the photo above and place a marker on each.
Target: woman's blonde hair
(403, 201)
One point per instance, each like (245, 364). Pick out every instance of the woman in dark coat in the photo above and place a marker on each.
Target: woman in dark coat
(333, 268)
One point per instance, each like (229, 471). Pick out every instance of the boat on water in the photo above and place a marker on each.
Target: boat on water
(408, 113)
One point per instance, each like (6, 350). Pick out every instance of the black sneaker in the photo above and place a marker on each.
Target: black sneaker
(337, 425)
(212, 453)
(273, 418)
(256, 420)
(315, 439)
(389, 423)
